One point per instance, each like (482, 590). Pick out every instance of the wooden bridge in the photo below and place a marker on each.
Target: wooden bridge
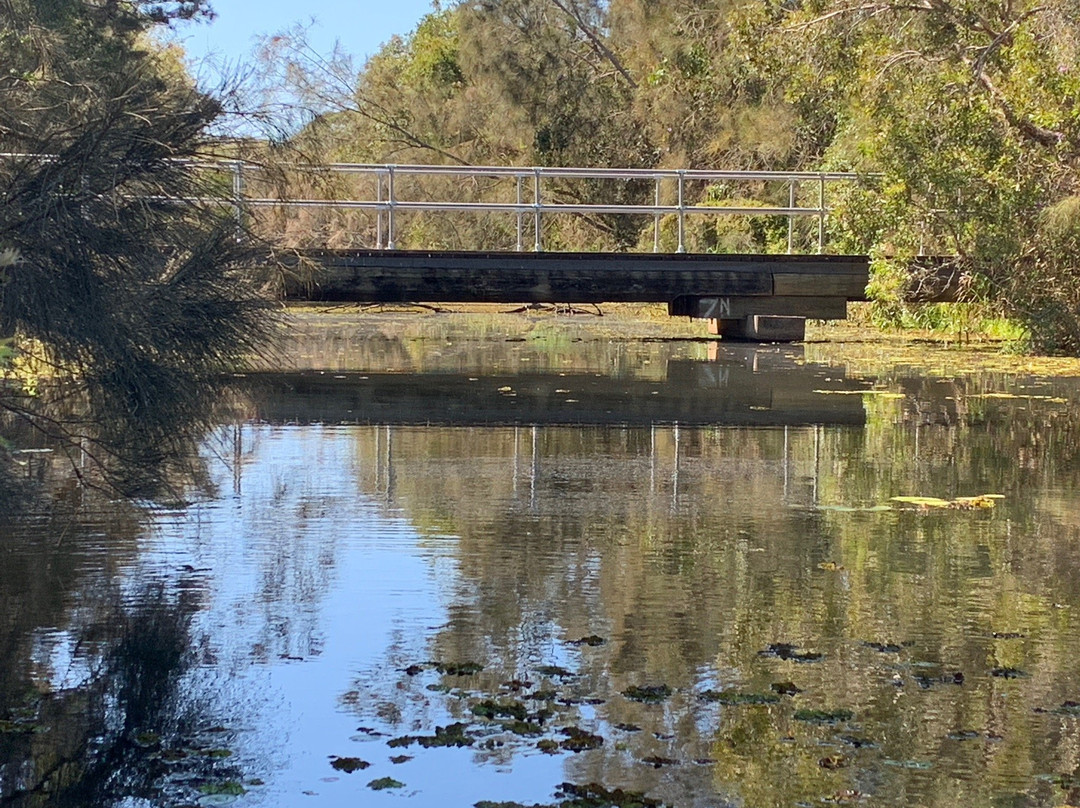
(762, 296)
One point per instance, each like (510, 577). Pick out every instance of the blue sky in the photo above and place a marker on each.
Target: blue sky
(360, 25)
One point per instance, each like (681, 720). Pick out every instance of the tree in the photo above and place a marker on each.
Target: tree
(122, 284)
(968, 110)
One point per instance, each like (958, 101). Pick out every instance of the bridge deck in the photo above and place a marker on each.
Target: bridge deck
(385, 276)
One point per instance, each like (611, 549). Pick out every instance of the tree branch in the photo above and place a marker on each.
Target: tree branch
(595, 41)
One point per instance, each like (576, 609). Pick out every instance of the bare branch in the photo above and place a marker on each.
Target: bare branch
(594, 38)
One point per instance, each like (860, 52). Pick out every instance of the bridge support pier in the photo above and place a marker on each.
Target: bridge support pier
(760, 328)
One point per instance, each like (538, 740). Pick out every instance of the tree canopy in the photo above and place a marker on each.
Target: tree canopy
(964, 111)
(110, 279)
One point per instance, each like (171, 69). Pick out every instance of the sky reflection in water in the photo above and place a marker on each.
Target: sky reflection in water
(721, 561)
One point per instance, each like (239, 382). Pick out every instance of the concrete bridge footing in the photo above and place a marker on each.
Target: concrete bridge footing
(761, 328)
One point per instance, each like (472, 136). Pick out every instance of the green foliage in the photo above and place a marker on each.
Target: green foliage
(143, 300)
(963, 113)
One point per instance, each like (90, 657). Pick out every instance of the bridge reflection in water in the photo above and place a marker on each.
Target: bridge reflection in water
(738, 386)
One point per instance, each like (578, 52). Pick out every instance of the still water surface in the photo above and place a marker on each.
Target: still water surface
(489, 563)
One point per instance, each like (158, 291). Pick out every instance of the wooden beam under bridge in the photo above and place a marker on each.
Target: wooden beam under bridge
(754, 297)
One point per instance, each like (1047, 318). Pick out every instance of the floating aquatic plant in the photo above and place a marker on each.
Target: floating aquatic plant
(580, 740)
(492, 709)
(734, 698)
(384, 783)
(884, 647)
(594, 795)
(824, 716)
(349, 764)
(555, 671)
(229, 788)
(658, 762)
(1008, 673)
(785, 688)
(592, 640)
(980, 501)
(783, 650)
(458, 668)
(650, 694)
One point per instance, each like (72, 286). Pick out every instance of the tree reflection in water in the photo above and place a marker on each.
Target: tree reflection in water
(89, 706)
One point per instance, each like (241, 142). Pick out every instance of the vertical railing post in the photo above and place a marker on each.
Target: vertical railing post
(791, 217)
(520, 215)
(238, 197)
(391, 244)
(537, 246)
(378, 209)
(682, 212)
(821, 215)
(656, 219)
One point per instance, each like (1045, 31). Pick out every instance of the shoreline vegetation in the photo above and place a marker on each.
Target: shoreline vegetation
(960, 118)
(959, 115)
(857, 342)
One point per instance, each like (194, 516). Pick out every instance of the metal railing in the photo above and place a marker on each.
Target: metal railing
(531, 203)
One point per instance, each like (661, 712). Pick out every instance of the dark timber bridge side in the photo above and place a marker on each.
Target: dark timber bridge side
(747, 296)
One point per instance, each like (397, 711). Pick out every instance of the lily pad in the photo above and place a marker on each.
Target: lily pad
(857, 742)
(580, 740)
(964, 735)
(594, 795)
(923, 502)
(824, 716)
(384, 783)
(1009, 673)
(658, 762)
(523, 728)
(554, 671)
(735, 698)
(458, 668)
(783, 650)
(229, 788)
(649, 694)
(854, 508)
(977, 502)
(785, 688)
(450, 735)
(591, 640)
(492, 709)
(884, 647)
(349, 764)
(1067, 708)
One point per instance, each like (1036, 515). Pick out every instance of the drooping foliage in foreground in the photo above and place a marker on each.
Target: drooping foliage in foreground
(131, 297)
(964, 111)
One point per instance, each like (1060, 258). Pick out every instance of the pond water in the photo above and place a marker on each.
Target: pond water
(448, 561)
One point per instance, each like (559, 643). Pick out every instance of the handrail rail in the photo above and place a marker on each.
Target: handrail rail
(387, 202)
